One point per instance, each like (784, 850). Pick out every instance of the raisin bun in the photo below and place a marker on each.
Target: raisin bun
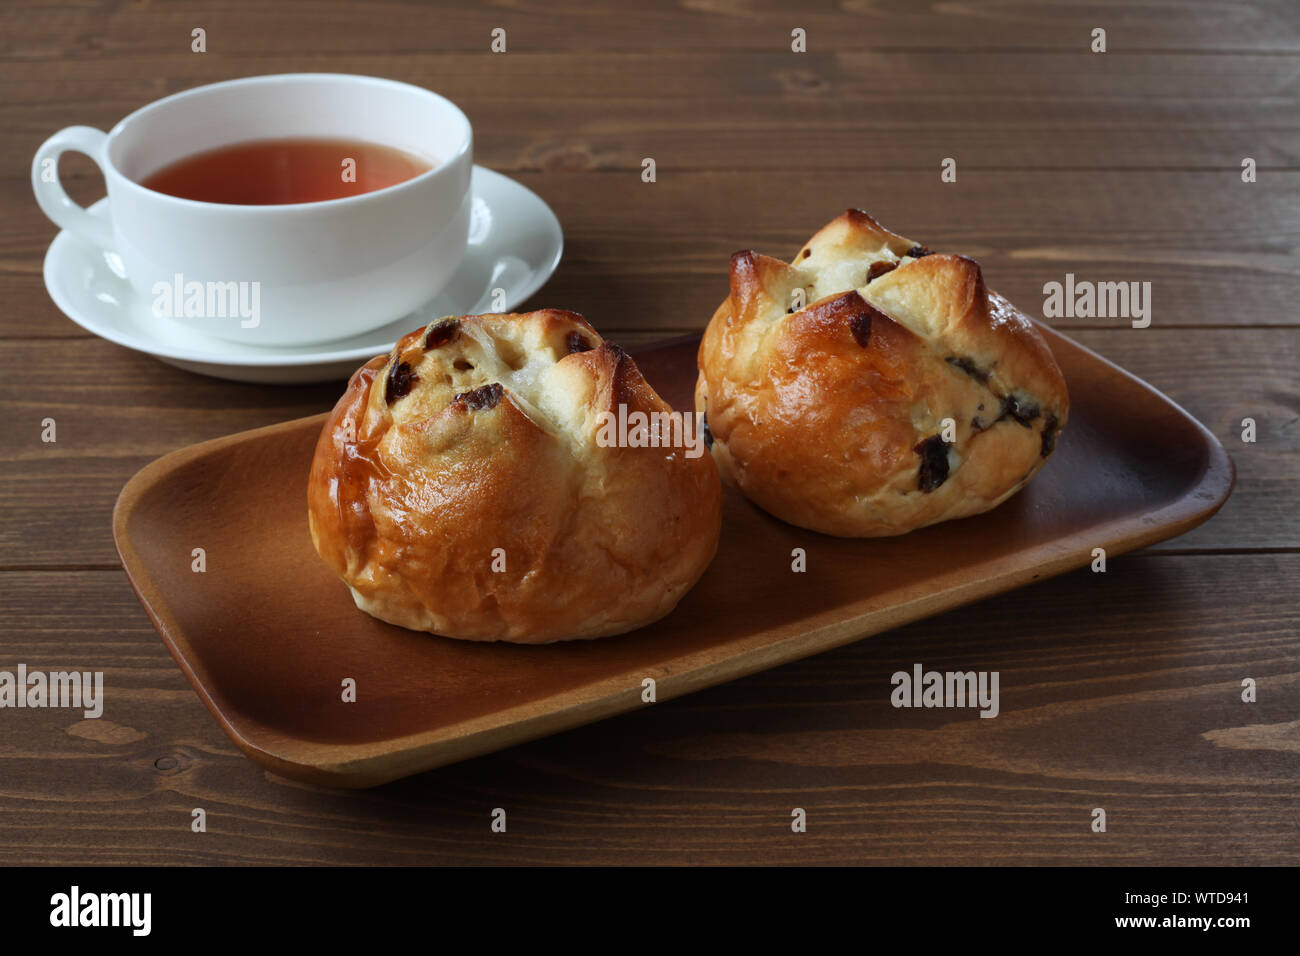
(873, 386)
(460, 487)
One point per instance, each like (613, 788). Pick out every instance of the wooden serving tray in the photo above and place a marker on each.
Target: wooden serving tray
(267, 634)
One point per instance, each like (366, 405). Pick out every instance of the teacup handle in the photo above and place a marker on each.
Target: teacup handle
(54, 202)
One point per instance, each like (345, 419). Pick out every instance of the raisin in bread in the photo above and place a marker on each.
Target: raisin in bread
(872, 387)
(459, 486)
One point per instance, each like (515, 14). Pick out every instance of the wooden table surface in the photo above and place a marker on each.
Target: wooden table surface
(1119, 690)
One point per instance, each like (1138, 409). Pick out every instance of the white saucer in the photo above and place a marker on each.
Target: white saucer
(515, 243)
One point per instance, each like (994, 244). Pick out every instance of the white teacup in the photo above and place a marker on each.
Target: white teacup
(281, 274)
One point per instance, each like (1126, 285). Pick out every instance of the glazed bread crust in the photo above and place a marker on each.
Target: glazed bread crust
(479, 433)
(831, 414)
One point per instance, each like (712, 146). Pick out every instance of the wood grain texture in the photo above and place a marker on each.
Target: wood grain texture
(1120, 690)
(766, 110)
(135, 409)
(1216, 251)
(1147, 694)
(104, 29)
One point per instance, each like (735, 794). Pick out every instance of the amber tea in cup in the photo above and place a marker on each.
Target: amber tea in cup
(344, 200)
(268, 172)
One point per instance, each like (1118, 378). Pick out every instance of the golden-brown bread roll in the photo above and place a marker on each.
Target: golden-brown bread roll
(831, 414)
(483, 432)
